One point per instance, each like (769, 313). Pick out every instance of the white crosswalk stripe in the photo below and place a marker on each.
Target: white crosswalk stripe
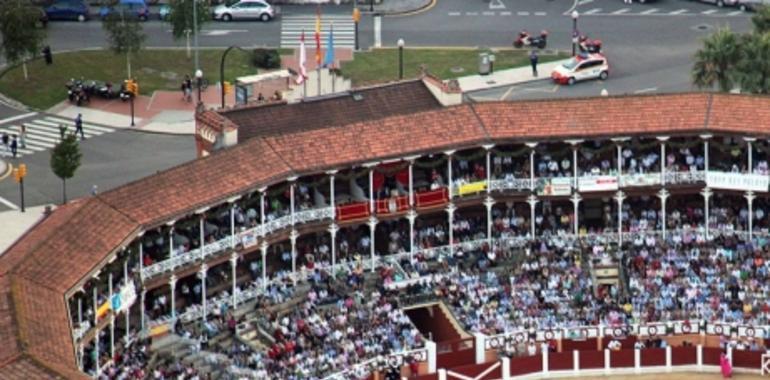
(43, 133)
(650, 11)
(592, 11)
(292, 27)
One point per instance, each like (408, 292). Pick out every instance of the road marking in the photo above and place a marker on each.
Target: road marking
(507, 93)
(678, 12)
(540, 13)
(17, 117)
(222, 32)
(651, 11)
(708, 12)
(524, 13)
(488, 13)
(496, 4)
(645, 90)
(583, 2)
(471, 13)
(592, 11)
(455, 13)
(8, 203)
(735, 13)
(506, 13)
(621, 11)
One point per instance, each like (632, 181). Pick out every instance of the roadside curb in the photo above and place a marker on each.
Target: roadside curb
(412, 12)
(9, 169)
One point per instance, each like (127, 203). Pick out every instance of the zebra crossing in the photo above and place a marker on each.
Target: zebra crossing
(43, 133)
(661, 12)
(293, 25)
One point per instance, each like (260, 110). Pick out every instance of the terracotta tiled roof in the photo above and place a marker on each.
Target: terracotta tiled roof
(54, 256)
(358, 105)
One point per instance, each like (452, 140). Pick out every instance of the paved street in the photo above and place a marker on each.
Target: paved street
(43, 131)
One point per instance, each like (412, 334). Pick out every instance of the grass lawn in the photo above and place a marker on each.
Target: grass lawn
(153, 69)
(381, 65)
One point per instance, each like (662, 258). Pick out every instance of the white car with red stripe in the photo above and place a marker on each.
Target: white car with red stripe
(582, 67)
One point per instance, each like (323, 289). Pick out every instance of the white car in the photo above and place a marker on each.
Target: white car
(581, 67)
(245, 10)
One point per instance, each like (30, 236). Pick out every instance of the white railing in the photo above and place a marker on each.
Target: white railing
(685, 178)
(519, 184)
(396, 360)
(80, 331)
(222, 245)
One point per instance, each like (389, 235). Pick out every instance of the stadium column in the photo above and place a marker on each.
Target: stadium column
(489, 202)
(411, 216)
(619, 158)
(202, 274)
(532, 200)
(371, 189)
(372, 226)
(331, 193)
(97, 367)
(333, 228)
(706, 152)
(234, 266)
(620, 197)
(411, 183)
(262, 213)
(532, 170)
(663, 195)
(112, 317)
(750, 158)
(263, 247)
(293, 239)
(488, 149)
(232, 226)
(143, 296)
(128, 309)
(292, 187)
(576, 198)
(662, 140)
(141, 258)
(706, 193)
(575, 145)
(450, 209)
(750, 199)
(172, 284)
(450, 183)
(171, 239)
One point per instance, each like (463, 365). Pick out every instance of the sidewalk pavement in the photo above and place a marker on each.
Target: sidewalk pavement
(507, 77)
(4, 168)
(14, 223)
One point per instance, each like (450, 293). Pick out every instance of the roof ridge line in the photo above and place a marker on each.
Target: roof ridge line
(709, 103)
(481, 122)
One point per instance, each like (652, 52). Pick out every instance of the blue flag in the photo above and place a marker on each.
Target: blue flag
(329, 58)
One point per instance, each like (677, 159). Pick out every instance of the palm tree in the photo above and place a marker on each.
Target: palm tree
(715, 62)
(752, 72)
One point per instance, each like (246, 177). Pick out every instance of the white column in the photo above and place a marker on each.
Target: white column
(293, 239)
(372, 228)
(331, 195)
(411, 184)
(143, 296)
(619, 161)
(262, 211)
(80, 311)
(234, 266)
(232, 226)
(204, 297)
(201, 227)
(750, 140)
(699, 356)
(619, 197)
(128, 309)
(488, 203)
(411, 216)
(112, 317)
(479, 339)
(668, 358)
(141, 261)
(606, 361)
(706, 151)
(663, 195)
(263, 248)
(96, 335)
(532, 168)
(545, 362)
(450, 209)
(637, 361)
(172, 284)
(576, 361)
(532, 200)
(730, 354)
(662, 140)
(371, 191)
(377, 31)
(576, 198)
(750, 226)
(450, 182)
(171, 242)
(505, 365)
(291, 202)
(442, 374)
(706, 193)
(575, 166)
(430, 346)
(333, 231)
(489, 167)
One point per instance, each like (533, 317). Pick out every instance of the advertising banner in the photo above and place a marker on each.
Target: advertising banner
(557, 187)
(472, 188)
(649, 179)
(737, 181)
(249, 238)
(598, 183)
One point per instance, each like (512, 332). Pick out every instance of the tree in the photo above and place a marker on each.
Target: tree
(21, 38)
(715, 62)
(761, 20)
(752, 73)
(65, 160)
(124, 34)
(182, 19)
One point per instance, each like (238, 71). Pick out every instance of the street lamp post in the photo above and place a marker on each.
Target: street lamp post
(19, 173)
(400, 58)
(199, 80)
(222, 71)
(575, 16)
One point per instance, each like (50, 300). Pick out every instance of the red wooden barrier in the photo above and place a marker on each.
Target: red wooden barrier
(431, 198)
(580, 345)
(526, 364)
(591, 359)
(684, 355)
(353, 211)
(391, 205)
(711, 355)
(561, 361)
(621, 358)
(747, 359)
(653, 357)
(474, 370)
(455, 353)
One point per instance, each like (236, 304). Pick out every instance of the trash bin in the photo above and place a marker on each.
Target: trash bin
(484, 64)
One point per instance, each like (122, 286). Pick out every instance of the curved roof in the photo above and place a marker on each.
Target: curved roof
(57, 253)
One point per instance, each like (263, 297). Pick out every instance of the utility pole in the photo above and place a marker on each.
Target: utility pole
(195, 33)
(19, 174)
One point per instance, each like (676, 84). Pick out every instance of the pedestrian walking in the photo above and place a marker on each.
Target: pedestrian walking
(533, 61)
(187, 88)
(47, 55)
(23, 136)
(14, 147)
(79, 126)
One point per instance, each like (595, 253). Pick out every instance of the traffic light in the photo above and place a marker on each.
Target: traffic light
(132, 87)
(228, 87)
(356, 15)
(20, 172)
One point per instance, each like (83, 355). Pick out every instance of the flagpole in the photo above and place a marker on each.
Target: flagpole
(318, 47)
(330, 53)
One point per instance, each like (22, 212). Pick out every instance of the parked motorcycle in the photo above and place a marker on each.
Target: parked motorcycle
(106, 90)
(590, 46)
(526, 40)
(76, 92)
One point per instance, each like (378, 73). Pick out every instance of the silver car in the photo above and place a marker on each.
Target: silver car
(752, 5)
(245, 10)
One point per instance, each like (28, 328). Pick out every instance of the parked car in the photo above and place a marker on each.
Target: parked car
(164, 12)
(67, 10)
(132, 8)
(581, 67)
(721, 3)
(245, 10)
(752, 5)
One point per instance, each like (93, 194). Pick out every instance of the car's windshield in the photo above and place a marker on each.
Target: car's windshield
(571, 64)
